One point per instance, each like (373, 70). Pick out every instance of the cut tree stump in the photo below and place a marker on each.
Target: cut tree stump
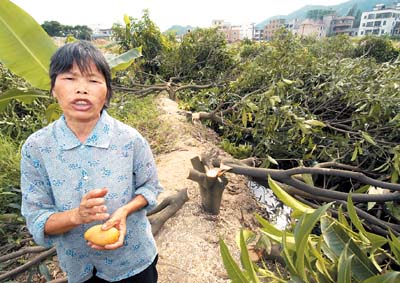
(211, 182)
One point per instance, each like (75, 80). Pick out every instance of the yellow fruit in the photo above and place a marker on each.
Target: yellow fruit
(100, 237)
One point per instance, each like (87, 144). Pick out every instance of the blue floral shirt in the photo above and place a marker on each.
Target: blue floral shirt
(57, 170)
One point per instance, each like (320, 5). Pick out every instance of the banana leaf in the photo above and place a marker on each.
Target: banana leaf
(25, 48)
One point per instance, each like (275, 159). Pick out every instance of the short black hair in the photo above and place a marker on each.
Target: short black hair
(82, 53)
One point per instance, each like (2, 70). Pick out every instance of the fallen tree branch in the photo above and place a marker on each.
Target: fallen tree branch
(27, 265)
(166, 209)
(286, 177)
(27, 250)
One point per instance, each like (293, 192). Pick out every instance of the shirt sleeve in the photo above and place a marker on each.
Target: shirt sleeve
(146, 177)
(37, 199)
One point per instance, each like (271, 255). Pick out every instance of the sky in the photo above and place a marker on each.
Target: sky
(164, 13)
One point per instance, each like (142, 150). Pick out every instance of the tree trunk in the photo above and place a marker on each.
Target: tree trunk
(166, 209)
(211, 182)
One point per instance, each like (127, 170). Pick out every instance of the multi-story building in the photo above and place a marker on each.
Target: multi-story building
(293, 25)
(342, 25)
(381, 20)
(232, 33)
(272, 27)
(258, 33)
(247, 31)
(312, 28)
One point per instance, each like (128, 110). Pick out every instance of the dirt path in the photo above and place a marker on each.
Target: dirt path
(188, 242)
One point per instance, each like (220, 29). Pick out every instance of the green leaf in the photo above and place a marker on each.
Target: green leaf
(27, 96)
(344, 266)
(272, 160)
(394, 244)
(375, 240)
(287, 255)
(298, 207)
(288, 82)
(315, 123)
(336, 239)
(308, 179)
(127, 21)
(246, 262)
(322, 263)
(25, 47)
(355, 154)
(274, 233)
(388, 277)
(124, 60)
(53, 112)
(368, 138)
(244, 118)
(302, 233)
(233, 270)
(247, 234)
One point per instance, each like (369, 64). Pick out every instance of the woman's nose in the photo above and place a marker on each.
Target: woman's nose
(81, 87)
(81, 91)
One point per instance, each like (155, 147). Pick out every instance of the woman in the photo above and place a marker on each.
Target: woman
(88, 168)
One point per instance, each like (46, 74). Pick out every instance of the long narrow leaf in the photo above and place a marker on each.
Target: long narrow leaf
(298, 207)
(123, 61)
(275, 234)
(25, 48)
(24, 96)
(344, 266)
(246, 262)
(336, 239)
(233, 270)
(376, 240)
(302, 233)
(394, 244)
(389, 277)
(287, 255)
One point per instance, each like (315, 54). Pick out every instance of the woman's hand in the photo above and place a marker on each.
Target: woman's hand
(117, 220)
(92, 207)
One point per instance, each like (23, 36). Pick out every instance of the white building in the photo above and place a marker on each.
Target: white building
(247, 31)
(380, 21)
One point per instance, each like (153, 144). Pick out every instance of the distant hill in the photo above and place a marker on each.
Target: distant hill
(179, 30)
(340, 9)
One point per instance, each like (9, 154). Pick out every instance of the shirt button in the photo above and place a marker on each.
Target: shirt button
(85, 178)
(82, 146)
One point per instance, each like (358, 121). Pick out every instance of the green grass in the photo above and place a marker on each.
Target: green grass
(143, 115)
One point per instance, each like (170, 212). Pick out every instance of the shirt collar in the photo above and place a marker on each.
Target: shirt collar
(99, 137)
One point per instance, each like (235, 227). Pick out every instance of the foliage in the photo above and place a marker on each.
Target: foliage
(25, 47)
(29, 56)
(310, 101)
(343, 251)
(142, 114)
(202, 55)
(378, 47)
(54, 28)
(141, 33)
(10, 196)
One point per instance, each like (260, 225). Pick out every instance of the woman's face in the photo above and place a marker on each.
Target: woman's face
(81, 96)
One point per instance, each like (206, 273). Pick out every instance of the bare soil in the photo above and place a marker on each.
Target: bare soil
(188, 243)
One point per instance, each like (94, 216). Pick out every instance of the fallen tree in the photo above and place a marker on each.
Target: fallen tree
(172, 88)
(294, 182)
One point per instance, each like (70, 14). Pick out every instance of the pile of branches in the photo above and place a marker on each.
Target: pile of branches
(304, 183)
